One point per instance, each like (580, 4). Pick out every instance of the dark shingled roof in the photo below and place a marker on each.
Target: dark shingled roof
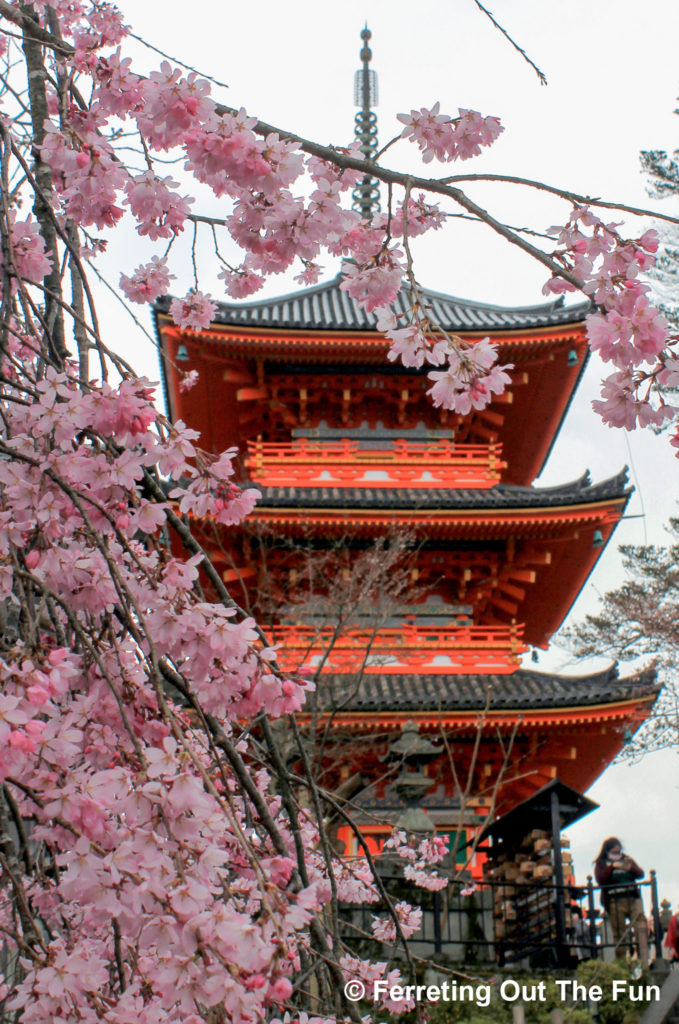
(578, 492)
(326, 307)
(523, 689)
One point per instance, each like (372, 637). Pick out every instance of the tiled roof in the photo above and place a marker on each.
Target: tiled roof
(326, 307)
(523, 689)
(578, 492)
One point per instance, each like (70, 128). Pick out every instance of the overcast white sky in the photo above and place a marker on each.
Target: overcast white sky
(613, 80)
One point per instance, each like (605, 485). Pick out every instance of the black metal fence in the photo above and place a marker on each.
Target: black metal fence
(539, 923)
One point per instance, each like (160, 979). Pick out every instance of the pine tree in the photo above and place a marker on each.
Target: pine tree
(640, 620)
(662, 170)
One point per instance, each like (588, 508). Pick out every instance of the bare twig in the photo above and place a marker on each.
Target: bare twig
(505, 33)
(175, 60)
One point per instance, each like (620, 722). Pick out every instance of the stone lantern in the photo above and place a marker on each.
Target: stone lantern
(415, 752)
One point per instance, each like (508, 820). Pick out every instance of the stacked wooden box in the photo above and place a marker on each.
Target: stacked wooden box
(524, 897)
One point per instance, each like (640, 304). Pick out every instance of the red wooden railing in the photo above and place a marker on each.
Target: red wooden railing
(410, 648)
(343, 463)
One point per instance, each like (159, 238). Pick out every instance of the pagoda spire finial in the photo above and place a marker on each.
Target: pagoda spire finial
(366, 195)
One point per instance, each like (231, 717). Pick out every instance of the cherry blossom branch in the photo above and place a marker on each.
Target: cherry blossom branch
(419, 304)
(32, 30)
(238, 766)
(87, 645)
(42, 207)
(388, 902)
(435, 186)
(283, 780)
(19, 826)
(118, 954)
(192, 545)
(562, 193)
(334, 902)
(223, 801)
(57, 229)
(30, 928)
(283, 777)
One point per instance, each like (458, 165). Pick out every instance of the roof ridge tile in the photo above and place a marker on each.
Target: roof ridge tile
(326, 306)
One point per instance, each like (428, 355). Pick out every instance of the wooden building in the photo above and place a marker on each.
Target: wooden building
(347, 449)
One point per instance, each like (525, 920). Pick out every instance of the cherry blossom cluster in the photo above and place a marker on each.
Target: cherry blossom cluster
(161, 213)
(470, 379)
(626, 329)
(377, 283)
(87, 176)
(421, 857)
(194, 312)
(471, 375)
(163, 880)
(368, 973)
(147, 282)
(446, 138)
(272, 225)
(26, 256)
(409, 919)
(411, 218)
(276, 223)
(160, 868)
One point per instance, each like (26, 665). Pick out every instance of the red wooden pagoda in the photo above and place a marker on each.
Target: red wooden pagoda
(347, 449)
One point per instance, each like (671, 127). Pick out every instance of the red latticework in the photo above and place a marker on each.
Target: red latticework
(346, 464)
(403, 649)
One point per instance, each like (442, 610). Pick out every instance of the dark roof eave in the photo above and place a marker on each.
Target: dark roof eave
(524, 690)
(501, 496)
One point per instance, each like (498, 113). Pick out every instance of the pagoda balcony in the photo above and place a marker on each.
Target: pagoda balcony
(347, 463)
(404, 649)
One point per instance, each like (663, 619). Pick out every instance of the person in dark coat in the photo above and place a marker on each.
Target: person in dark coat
(617, 874)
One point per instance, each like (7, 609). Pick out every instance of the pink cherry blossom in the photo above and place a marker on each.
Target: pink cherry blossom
(28, 259)
(409, 918)
(172, 105)
(407, 345)
(188, 380)
(620, 405)
(470, 380)
(430, 129)
(160, 212)
(280, 990)
(194, 312)
(375, 284)
(445, 138)
(242, 282)
(148, 282)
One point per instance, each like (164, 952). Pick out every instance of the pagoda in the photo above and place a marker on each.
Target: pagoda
(347, 450)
